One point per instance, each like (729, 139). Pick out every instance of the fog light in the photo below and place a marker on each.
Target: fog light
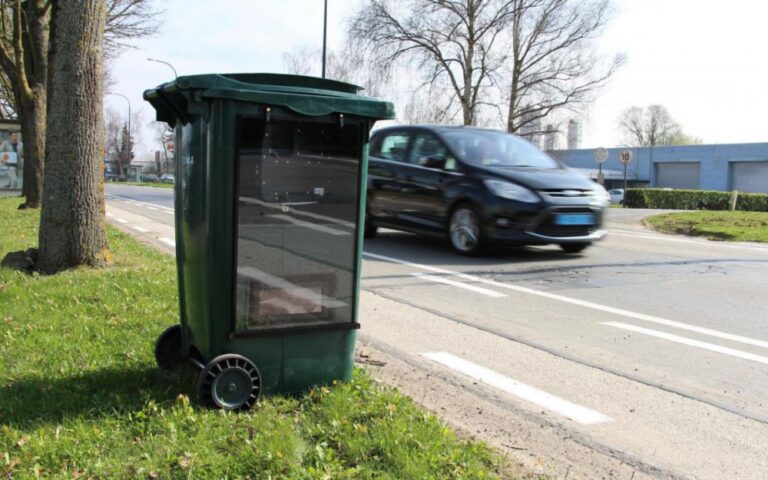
(502, 222)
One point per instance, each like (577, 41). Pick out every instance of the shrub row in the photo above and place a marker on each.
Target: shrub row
(693, 200)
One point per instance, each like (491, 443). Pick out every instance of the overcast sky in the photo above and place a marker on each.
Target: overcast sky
(702, 59)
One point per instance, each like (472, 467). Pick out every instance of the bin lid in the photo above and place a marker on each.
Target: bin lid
(304, 95)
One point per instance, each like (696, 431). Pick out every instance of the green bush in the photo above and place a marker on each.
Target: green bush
(693, 200)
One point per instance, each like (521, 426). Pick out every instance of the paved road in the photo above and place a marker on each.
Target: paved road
(650, 350)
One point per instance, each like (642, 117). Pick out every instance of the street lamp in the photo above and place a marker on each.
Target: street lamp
(161, 61)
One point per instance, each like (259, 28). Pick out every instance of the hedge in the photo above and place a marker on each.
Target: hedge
(693, 200)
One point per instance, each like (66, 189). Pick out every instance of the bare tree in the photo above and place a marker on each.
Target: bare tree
(25, 27)
(7, 98)
(72, 224)
(163, 135)
(552, 62)
(452, 40)
(652, 126)
(118, 142)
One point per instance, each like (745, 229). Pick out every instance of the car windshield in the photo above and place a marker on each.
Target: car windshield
(497, 149)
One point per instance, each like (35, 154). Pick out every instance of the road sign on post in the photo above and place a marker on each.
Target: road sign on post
(625, 156)
(601, 155)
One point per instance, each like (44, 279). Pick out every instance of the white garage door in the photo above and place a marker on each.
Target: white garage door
(678, 175)
(749, 177)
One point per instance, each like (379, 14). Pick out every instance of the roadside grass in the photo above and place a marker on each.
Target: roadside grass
(80, 396)
(145, 184)
(715, 225)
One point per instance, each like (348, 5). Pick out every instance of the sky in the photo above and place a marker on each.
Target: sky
(704, 60)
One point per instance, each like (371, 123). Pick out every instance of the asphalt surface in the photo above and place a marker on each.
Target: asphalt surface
(651, 350)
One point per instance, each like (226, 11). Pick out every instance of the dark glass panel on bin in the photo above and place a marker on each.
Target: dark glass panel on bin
(297, 211)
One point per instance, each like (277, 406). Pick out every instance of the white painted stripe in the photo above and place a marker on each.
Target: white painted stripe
(109, 214)
(689, 341)
(151, 208)
(313, 226)
(280, 206)
(465, 286)
(161, 207)
(169, 212)
(547, 401)
(121, 220)
(703, 243)
(167, 241)
(139, 229)
(582, 303)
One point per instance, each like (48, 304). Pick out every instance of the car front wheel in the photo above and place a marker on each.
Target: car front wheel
(464, 231)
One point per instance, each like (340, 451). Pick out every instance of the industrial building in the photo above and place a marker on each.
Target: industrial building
(724, 167)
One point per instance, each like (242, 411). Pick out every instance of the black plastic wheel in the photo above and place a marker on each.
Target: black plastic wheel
(574, 247)
(169, 350)
(229, 382)
(465, 232)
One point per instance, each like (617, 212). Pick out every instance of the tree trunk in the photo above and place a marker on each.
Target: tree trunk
(33, 115)
(72, 223)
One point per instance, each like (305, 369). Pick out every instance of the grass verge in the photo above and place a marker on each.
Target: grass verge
(146, 184)
(80, 396)
(715, 225)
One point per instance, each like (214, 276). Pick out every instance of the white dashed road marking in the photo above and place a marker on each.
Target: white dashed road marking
(547, 401)
(167, 241)
(139, 229)
(465, 286)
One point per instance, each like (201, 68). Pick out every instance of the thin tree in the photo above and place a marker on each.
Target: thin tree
(452, 40)
(652, 126)
(24, 43)
(72, 224)
(24, 35)
(552, 61)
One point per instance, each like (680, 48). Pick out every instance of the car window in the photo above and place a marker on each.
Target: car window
(497, 149)
(392, 146)
(426, 145)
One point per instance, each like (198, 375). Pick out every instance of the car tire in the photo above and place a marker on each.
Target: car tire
(465, 231)
(369, 229)
(574, 247)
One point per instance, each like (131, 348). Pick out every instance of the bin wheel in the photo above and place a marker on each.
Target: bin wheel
(229, 382)
(169, 351)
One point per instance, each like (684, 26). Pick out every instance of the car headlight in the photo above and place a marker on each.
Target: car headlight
(601, 195)
(511, 191)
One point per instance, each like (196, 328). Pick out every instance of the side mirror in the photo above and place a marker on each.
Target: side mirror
(432, 162)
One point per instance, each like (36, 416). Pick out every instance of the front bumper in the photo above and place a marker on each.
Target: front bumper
(514, 223)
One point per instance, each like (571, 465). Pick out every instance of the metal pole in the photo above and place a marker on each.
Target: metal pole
(161, 61)
(325, 31)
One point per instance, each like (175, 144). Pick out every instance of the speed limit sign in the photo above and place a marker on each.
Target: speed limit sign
(625, 157)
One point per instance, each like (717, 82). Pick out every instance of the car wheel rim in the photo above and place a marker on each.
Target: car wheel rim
(464, 230)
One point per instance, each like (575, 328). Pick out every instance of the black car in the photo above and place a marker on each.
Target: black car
(477, 187)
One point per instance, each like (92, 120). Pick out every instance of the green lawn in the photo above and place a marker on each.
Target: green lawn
(80, 396)
(715, 225)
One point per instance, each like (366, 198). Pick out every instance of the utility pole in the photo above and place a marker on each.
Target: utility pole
(325, 31)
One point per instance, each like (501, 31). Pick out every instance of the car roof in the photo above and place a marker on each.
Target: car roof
(434, 128)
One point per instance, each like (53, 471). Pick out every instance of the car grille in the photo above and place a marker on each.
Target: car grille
(555, 193)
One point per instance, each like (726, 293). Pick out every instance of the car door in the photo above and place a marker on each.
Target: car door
(387, 157)
(423, 181)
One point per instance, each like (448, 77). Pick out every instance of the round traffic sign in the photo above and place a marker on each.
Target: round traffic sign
(600, 154)
(625, 157)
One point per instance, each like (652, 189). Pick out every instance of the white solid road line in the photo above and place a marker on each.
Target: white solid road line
(121, 220)
(465, 286)
(702, 243)
(151, 208)
(167, 241)
(582, 303)
(139, 229)
(313, 226)
(689, 341)
(547, 401)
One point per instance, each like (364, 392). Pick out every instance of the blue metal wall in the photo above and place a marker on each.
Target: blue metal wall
(714, 160)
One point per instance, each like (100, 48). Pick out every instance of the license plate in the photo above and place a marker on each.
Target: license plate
(574, 219)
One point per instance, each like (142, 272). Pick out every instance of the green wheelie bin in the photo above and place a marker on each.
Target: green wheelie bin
(270, 203)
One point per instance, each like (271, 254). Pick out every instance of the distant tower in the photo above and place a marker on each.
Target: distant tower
(574, 134)
(550, 138)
